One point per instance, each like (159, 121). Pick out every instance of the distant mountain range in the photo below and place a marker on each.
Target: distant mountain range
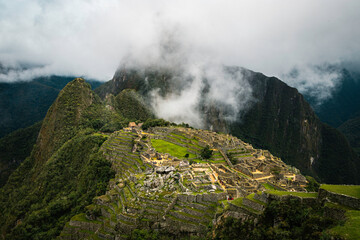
(342, 109)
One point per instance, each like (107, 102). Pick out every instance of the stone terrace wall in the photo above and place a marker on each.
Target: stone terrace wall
(254, 205)
(286, 197)
(199, 198)
(339, 198)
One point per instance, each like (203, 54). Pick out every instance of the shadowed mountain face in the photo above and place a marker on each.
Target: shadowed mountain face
(342, 110)
(351, 129)
(344, 104)
(24, 103)
(278, 118)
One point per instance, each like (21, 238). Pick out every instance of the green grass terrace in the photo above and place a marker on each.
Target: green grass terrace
(350, 190)
(350, 229)
(298, 194)
(171, 148)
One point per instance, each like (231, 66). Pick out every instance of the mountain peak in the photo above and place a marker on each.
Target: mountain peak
(63, 117)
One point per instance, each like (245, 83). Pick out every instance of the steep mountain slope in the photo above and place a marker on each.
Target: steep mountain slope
(342, 109)
(24, 103)
(280, 120)
(351, 129)
(344, 102)
(14, 148)
(64, 171)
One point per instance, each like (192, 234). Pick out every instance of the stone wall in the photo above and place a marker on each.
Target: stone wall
(254, 205)
(199, 198)
(275, 186)
(234, 208)
(334, 213)
(242, 169)
(308, 201)
(261, 197)
(339, 198)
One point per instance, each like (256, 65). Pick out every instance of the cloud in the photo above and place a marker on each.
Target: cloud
(318, 82)
(195, 85)
(91, 38)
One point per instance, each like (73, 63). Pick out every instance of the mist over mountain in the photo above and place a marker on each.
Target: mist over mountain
(199, 119)
(274, 116)
(341, 107)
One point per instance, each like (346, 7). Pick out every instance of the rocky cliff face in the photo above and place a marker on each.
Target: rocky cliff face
(351, 129)
(279, 119)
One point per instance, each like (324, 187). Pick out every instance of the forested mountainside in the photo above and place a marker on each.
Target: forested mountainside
(14, 148)
(64, 171)
(280, 120)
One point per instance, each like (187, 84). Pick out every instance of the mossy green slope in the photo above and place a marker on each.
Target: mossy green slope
(63, 118)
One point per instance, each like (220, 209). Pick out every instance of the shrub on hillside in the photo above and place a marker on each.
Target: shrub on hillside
(155, 123)
(206, 152)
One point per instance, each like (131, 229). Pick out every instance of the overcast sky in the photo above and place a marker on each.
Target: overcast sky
(91, 38)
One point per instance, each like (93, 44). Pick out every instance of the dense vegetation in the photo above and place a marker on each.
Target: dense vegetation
(65, 185)
(65, 171)
(14, 148)
(206, 152)
(155, 123)
(131, 106)
(281, 220)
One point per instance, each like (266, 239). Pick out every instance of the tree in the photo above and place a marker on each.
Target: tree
(206, 153)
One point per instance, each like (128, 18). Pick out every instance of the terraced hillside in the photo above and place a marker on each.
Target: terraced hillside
(163, 184)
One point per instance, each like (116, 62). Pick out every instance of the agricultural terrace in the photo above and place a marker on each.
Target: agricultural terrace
(350, 190)
(175, 150)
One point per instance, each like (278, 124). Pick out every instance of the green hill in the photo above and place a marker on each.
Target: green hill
(64, 171)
